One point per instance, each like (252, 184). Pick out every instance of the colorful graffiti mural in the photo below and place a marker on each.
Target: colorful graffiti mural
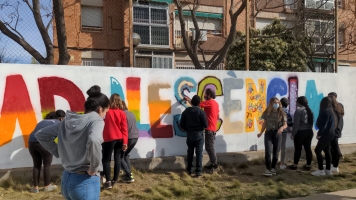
(242, 97)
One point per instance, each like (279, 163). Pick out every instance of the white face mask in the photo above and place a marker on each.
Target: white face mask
(275, 106)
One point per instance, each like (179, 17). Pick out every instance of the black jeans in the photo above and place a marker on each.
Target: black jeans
(303, 138)
(272, 142)
(39, 154)
(108, 148)
(335, 152)
(323, 145)
(125, 156)
(195, 140)
(209, 146)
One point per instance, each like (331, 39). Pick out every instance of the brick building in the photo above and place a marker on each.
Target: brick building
(98, 32)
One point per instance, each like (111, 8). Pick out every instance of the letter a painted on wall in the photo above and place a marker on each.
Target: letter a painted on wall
(255, 103)
(16, 106)
(50, 86)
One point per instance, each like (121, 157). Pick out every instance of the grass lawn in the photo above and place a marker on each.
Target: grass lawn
(243, 181)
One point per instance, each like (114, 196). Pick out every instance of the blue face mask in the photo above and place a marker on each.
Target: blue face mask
(275, 106)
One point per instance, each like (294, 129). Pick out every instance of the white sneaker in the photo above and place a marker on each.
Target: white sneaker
(267, 173)
(282, 167)
(334, 169)
(318, 173)
(328, 172)
(273, 171)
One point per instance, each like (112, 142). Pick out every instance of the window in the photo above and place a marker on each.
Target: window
(291, 4)
(152, 59)
(151, 23)
(93, 58)
(319, 4)
(92, 15)
(322, 33)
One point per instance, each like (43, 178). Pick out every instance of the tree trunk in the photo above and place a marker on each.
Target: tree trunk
(61, 32)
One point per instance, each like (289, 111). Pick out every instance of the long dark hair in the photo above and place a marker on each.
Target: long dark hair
(337, 108)
(96, 100)
(302, 100)
(327, 103)
(58, 114)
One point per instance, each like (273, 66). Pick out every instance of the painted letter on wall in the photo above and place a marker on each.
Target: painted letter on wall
(255, 103)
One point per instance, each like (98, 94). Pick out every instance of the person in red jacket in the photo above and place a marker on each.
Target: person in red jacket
(115, 138)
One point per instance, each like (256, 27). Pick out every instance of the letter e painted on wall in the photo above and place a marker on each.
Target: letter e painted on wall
(158, 107)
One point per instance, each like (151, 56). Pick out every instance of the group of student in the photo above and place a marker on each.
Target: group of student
(278, 122)
(85, 143)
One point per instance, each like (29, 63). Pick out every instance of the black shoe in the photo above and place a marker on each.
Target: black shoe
(107, 185)
(292, 167)
(199, 174)
(307, 168)
(211, 166)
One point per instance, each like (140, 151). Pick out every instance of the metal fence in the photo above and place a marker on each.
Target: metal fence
(98, 32)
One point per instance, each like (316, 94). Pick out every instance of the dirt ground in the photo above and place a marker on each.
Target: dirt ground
(243, 181)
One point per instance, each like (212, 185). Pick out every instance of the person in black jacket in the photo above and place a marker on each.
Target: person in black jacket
(334, 144)
(326, 122)
(194, 121)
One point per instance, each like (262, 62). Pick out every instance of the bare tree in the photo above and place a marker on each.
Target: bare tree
(10, 22)
(194, 48)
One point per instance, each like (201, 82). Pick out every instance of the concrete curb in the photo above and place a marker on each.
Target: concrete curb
(167, 163)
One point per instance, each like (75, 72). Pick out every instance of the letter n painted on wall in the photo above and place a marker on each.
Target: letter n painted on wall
(255, 103)
(16, 106)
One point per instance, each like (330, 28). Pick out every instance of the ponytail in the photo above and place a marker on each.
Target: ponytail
(310, 115)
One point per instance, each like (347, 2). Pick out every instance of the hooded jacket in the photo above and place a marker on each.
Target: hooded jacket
(79, 141)
(193, 120)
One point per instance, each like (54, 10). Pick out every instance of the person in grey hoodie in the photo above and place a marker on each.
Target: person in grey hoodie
(79, 147)
(194, 121)
(133, 138)
(302, 132)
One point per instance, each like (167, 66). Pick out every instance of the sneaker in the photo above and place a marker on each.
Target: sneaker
(293, 167)
(107, 185)
(113, 183)
(318, 173)
(282, 167)
(328, 172)
(103, 179)
(267, 173)
(128, 179)
(33, 190)
(273, 171)
(50, 188)
(199, 174)
(334, 169)
(211, 166)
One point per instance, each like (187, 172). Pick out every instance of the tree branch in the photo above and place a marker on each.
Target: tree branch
(22, 43)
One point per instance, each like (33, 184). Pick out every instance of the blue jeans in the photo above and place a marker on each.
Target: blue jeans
(195, 140)
(80, 186)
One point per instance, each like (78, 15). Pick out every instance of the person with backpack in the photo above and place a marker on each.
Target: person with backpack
(285, 103)
(334, 144)
(302, 133)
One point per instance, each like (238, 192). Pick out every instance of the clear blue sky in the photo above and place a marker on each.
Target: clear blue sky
(27, 27)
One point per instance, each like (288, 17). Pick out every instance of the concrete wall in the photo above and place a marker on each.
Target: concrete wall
(154, 95)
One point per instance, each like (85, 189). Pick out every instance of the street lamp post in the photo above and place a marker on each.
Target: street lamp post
(136, 40)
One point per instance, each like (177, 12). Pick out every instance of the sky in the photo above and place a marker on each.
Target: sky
(26, 26)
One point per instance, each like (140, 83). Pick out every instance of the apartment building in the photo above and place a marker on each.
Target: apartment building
(316, 18)
(98, 32)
